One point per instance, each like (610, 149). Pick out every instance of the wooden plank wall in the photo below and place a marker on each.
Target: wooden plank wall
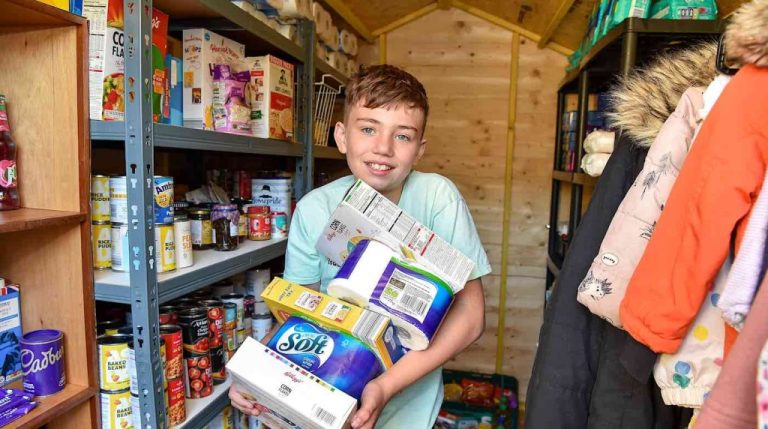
(464, 62)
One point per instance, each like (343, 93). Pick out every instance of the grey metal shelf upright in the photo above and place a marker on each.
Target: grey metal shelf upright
(141, 287)
(630, 44)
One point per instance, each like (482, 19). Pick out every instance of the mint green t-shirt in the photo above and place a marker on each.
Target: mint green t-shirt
(434, 201)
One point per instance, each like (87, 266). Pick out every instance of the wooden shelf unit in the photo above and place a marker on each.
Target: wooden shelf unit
(45, 247)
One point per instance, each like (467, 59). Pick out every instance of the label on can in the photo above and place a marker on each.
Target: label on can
(173, 351)
(202, 232)
(118, 199)
(165, 248)
(116, 410)
(261, 325)
(279, 225)
(198, 375)
(194, 330)
(241, 335)
(218, 362)
(177, 411)
(113, 363)
(163, 199)
(100, 199)
(134, 379)
(182, 231)
(239, 301)
(119, 247)
(102, 245)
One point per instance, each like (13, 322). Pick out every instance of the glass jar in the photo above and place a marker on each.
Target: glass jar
(259, 223)
(225, 218)
(201, 228)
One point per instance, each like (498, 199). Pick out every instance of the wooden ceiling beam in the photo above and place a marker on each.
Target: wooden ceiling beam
(351, 18)
(444, 4)
(406, 19)
(554, 23)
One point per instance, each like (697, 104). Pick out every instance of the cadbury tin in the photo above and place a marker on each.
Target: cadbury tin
(165, 248)
(194, 329)
(118, 199)
(99, 198)
(116, 410)
(279, 224)
(182, 234)
(177, 411)
(173, 351)
(42, 360)
(239, 301)
(102, 245)
(197, 373)
(163, 199)
(119, 252)
(201, 229)
(113, 362)
(261, 325)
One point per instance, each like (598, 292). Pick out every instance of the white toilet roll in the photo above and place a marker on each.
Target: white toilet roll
(376, 277)
(347, 42)
(287, 30)
(331, 37)
(594, 163)
(351, 68)
(295, 9)
(599, 141)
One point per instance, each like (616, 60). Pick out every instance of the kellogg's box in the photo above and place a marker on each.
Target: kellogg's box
(106, 64)
(271, 97)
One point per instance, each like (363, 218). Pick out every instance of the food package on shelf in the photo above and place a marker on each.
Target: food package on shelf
(106, 65)
(348, 43)
(271, 97)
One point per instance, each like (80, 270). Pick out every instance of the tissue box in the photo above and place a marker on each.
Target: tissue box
(10, 334)
(286, 299)
(294, 396)
(365, 213)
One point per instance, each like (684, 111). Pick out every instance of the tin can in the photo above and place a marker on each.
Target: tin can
(119, 254)
(132, 373)
(260, 308)
(259, 223)
(173, 351)
(169, 315)
(182, 234)
(177, 410)
(108, 327)
(248, 305)
(194, 329)
(218, 364)
(225, 218)
(198, 375)
(230, 327)
(163, 199)
(165, 248)
(279, 224)
(102, 245)
(241, 335)
(99, 198)
(116, 410)
(136, 411)
(224, 420)
(239, 301)
(118, 199)
(261, 325)
(215, 310)
(185, 303)
(113, 362)
(256, 280)
(42, 360)
(275, 192)
(201, 229)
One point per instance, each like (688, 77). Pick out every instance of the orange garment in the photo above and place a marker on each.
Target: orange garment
(715, 190)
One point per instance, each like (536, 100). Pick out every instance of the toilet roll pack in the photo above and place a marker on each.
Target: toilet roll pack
(286, 299)
(365, 213)
(374, 276)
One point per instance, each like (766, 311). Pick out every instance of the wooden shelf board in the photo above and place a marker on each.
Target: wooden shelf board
(584, 179)
(562, 176)
(25, 219)
(49, 408)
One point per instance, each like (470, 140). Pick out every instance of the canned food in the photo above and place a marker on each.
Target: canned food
(168, 315)
(116, 410)
(201, 229)
(173, 351)
(185, 302)
(215, 310)
(102, 245)
(256, 280)
(120, 255)
(108, 327)
(113, 362)
(259, 223)
(198, 375)
(165, 248)
(194, 329)
(132, 374)
(99, 198)
(177, 411)
(182, 234)
(225, 218)
(248, 303)
(118, 199)
(163, 199)
(261, 325)
(218, 364)
(136, 411)
(241, 335)
(260, 308)
(239, 301)
(275, 192)
(279, 224)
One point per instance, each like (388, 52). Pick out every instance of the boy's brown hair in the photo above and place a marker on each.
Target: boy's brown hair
(386, 86)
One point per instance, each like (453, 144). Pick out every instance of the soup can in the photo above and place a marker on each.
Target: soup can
(194, 329)
(198, 375)
(116, 409)
(182, 234)
(165, 248)
(261, 325)
(201, 229)
(174, 348)
(279, 224)
(113, 362)
(99, 198)
(118, 199)
(169, 315)
(163, 192)
(102, 245)
(239, 301)
(42, 360)
(120, 256)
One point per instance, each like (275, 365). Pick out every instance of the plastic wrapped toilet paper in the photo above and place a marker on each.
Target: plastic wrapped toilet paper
(378, 278)
(599, 141)
(331, 37)
(295, 9)
(348, 42)
(594, 163)
(322, 19)
(270, 8)
(337, 358)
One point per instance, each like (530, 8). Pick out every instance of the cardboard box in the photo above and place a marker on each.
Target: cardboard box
(10, 335)
(106, 65)
(160, 100)
(293, 396)
(175, 96)
(365, 213)
(202, 50)
(271, 97)
(286, 299)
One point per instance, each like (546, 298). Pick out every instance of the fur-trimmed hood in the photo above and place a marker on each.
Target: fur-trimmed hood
(746, 38)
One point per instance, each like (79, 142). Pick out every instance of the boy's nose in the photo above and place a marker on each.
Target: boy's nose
(384, 146)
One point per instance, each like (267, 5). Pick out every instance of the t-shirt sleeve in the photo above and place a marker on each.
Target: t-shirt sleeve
(302, 260)
(454, 224)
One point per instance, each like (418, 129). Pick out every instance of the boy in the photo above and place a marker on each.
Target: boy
(385, 114)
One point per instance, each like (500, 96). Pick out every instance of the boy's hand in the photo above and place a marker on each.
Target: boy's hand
(244, 405)
(372, 402)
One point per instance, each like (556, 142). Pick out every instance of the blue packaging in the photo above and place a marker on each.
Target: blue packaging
(335, 357)
(76, 7)
(174, 67)
(596, 119)
(163, 192)
(10, 335)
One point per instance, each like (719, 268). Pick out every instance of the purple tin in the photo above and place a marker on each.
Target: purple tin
(42, 360)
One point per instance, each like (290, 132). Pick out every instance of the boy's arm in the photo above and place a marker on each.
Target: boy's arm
(463, 325)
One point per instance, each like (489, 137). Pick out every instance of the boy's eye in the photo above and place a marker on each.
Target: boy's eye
(403, 137)
(367, 130)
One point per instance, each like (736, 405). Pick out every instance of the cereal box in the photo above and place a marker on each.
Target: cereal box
(271, 97)
(286, 299)
(160, 101)
(106, 65)
(204, 49)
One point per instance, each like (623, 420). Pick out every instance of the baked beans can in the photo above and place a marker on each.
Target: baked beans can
(182, 234)
(118, 199)
(169, 315)
(163, 192)
(279, 224)
(261, 325)
(201, 228)
(259, 223)
(198, 375)
(119, 254)
(177, 410)
(101, 235)
(165, 248)
(239, 301)
(113, 362)
(108, 327)
(194, 329)
(99, 198)
(116, 410)
(174, 347)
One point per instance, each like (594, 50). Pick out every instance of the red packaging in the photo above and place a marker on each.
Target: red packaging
(173, 351)
(198, 375)
(245, 185)
(168, 315)
(177, 410)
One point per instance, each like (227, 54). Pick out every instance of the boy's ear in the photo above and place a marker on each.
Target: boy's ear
(339, 134)
(422, 148)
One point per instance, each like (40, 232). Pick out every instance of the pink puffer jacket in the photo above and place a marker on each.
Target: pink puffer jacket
(603, 289)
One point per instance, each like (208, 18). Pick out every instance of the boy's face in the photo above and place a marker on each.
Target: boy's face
(382, 145)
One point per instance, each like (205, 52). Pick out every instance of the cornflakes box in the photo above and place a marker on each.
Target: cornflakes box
(271, 97)
(106, 64)
(161, 106)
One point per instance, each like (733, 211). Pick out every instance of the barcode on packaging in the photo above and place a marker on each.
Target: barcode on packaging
(322, 415)
(368, 326)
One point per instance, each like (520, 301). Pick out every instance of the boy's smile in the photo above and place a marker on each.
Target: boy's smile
(382, 145)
